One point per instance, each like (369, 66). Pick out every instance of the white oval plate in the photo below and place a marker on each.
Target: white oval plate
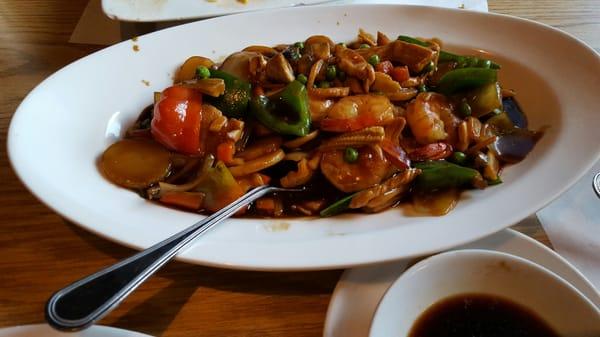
(38, 330)
(367, 285)
(65, 123)
(172, 10)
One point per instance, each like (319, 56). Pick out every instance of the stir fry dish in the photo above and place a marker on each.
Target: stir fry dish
(360, 126)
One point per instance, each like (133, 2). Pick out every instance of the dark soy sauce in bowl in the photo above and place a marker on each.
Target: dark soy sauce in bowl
(479, 315)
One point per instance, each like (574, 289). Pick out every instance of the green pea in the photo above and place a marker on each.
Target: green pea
(485, 64)
(422, 88)
(459, 158)
(331, 72)
(202, 72)
(350, 155)
(299, 45)
(429, 67)
(374, 60)
(464, 109)
(323, 84)
(341, 75)
(364, 46)
(301, 78)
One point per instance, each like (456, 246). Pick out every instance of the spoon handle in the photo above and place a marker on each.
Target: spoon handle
(84, 302)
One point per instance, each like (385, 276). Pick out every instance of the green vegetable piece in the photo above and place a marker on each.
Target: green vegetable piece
(464, 109)
(202, 72)
(323, 84)
(501, 123)
(374, 60)
(466, 78)
(445, 56)
(449, 57)
(440, 174)
(459, 158)
(350, 155)
(413, 40)
(302, 79)
(484, 63)
(364, 46)
(472, 62)
(496, 181)
(234, 102)
(331, 72)
(484, 99)
(274, 112)
(422, 88)
(299, 45)
(342, 44)
(216, 183)
(337, 207)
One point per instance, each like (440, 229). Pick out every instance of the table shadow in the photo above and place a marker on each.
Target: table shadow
(257, 282)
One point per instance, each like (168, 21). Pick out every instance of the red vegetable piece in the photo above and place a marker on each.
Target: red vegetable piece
(384, 67)
(177, 118)
(400, 74)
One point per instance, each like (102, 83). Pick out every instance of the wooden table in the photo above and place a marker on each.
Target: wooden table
(41, 252)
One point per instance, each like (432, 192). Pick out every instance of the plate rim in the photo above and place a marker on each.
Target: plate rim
(300, 264)
(110, 13)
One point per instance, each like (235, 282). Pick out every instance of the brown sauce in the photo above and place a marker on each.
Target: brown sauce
(479, 315)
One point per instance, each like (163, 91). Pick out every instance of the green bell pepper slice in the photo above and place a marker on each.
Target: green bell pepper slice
(275, 112)
(449, 57)
(440, 174)
(337, 207)
(466, 78)
(234, 101)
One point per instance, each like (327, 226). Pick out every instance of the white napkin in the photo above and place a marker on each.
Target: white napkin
(572, 223)
(95, 28)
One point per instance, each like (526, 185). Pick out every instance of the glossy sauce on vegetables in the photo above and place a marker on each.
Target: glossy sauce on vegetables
(360, 127)
(479, 315)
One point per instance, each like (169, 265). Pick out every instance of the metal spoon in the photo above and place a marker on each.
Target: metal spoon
(596, 184)
(84, 302)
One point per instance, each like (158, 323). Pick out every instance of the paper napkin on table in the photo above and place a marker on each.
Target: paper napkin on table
(96, 28)
(572, 223)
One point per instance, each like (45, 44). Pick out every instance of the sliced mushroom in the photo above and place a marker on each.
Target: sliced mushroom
(399, 182)
(382, 39)
(187, 71)
(279, 69)
(319, 46)
(384, 83)
(266, 51)
(366, 38)
(414, 56)
(238, 64)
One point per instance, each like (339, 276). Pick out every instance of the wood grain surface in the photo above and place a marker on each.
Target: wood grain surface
(41, 252)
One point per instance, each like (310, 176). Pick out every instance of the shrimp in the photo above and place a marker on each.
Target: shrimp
(353, 113)
(369, 169)
(424, 117)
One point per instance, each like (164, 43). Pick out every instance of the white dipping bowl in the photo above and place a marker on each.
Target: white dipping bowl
(558, 303)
